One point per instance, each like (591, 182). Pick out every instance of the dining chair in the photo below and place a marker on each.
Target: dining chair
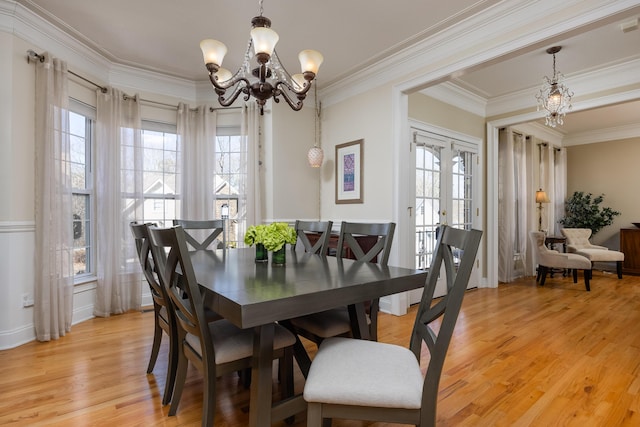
(162, 312)
(214, 348)
(367, 380)
(320, 231)
(366, 242)
(196, 232)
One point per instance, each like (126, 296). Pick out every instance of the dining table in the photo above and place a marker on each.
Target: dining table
(255, 295)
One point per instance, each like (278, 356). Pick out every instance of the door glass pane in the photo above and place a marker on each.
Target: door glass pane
(427, 215)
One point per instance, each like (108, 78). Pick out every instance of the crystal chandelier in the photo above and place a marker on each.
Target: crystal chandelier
(554, 97)
(261, 74)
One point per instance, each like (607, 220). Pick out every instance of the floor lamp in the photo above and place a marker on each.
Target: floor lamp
(541, 197)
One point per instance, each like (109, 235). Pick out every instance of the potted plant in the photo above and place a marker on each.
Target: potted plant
(273, 238)
(255, 235)
(583, 211)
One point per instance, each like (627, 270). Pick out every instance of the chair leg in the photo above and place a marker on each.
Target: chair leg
(314, 414)
(587, 276)
(155, 347)
(208, 398)
(171, 368)
(619, 269)
(181, 376)
(575, 275)
(285, 372)
(543, 274)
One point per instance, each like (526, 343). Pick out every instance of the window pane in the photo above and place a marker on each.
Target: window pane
(80, 261)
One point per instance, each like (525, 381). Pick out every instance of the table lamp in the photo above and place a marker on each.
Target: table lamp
(541, 197)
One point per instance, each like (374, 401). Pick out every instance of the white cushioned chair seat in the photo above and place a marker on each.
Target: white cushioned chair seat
(232, 343)
(597, 255)
(360, 372)
(328, 323)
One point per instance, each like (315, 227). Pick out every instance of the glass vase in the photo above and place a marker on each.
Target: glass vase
(279, 257)
(261, 253)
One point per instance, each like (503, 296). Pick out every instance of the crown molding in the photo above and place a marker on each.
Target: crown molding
(585, 85)
(497, 31)
(459, 97)
(22, 22)
(540, 131)
(140, 80)
(603, 135)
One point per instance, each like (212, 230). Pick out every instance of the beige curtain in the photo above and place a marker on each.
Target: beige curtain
(196, 139)
(250, 202)
(53, 296)
(119, 190)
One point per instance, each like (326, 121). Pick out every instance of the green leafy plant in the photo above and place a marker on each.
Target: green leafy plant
(584, 211)
(273, 236)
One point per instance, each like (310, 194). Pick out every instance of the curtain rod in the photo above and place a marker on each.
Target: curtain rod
(33, 56)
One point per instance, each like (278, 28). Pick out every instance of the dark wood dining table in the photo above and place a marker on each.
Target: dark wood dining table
(255, 295)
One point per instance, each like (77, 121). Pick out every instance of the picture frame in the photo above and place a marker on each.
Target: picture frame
(349, 172)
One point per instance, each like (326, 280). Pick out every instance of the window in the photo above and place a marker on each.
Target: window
(81, 138)
(229, 177)
(161, 157)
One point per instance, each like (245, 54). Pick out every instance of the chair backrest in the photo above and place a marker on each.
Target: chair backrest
(452, 243)
(323, 228)
(577, 237)
(352, 232)
(169, 247)
(141, 235)
(196, 232)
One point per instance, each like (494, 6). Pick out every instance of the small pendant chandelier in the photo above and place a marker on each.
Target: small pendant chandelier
(554, 97)
(261, 74)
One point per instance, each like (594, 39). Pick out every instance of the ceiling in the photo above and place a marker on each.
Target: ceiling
(164, 36)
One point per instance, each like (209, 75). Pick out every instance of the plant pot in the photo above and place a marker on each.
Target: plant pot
(261, 253)
(279, 257)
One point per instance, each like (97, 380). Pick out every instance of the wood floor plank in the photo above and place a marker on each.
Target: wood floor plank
(521, 355)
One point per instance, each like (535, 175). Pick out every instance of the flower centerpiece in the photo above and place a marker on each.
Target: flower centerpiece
(272, 238)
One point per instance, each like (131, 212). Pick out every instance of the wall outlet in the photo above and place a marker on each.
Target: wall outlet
(27, 300)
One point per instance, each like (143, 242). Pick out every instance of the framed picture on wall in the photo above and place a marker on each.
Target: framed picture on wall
(349, 171)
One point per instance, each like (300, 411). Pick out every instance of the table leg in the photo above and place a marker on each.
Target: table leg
(358, 317)
(261, 376)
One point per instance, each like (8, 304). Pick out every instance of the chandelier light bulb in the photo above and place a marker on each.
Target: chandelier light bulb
(264, 40)
(310, 61)
(213, 51)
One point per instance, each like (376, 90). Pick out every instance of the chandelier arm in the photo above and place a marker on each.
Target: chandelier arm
(227, 101)
(295, 106)
(229, 83)
(302, 92)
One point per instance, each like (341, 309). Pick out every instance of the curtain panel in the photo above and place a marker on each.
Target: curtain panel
(250, 202)
(526, 164)
(53, 291)
(196, 141)
(119, 190)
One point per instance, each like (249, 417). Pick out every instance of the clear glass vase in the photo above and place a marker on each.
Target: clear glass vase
(279, 257)
(261, 253)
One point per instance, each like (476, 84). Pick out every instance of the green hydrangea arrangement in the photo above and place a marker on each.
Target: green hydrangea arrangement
(273, 236)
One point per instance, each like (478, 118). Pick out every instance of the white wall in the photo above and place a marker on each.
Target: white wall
(365, 116)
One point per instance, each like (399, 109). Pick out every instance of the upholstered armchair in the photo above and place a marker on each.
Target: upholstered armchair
(578, 243)
(548, 258)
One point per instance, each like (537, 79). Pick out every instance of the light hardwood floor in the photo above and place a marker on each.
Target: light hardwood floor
(521, 356)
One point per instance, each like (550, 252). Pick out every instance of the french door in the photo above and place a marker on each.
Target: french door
(445, 175)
